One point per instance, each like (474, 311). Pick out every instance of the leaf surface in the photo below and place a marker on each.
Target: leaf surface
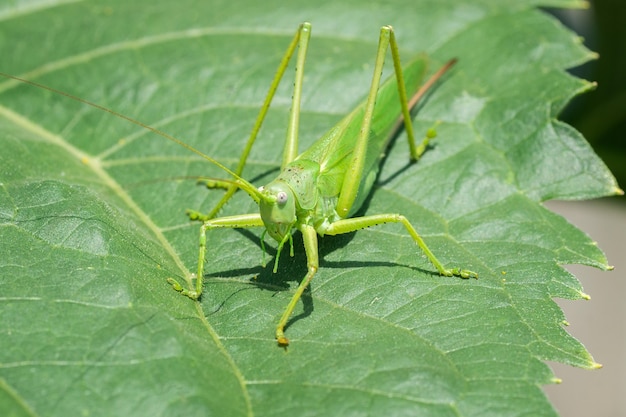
(92, 213)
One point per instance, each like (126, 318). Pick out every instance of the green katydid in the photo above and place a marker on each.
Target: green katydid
(319, 190)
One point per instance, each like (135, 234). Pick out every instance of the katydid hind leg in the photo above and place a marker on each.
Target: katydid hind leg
(354, 173)
(300, 41)
(290, 152)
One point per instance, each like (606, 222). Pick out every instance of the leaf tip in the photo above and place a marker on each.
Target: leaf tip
(556, 380)
(589, 86)
(583, 4)
(584, 296)
(596, 365)
(592, 55)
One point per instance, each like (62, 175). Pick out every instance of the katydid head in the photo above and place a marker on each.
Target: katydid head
(278, 209)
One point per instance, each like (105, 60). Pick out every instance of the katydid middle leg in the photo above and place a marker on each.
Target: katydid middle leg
(358, 223)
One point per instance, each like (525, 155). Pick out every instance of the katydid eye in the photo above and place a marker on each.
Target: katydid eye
(281, 197)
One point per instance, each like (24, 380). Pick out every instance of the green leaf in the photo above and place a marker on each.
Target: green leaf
(92, 216)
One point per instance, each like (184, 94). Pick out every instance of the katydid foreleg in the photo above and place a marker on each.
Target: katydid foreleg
(238, 221)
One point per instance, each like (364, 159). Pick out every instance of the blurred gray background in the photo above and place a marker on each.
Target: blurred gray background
(599, 323)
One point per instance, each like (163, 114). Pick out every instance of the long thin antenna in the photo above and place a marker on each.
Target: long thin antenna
(251, 189)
